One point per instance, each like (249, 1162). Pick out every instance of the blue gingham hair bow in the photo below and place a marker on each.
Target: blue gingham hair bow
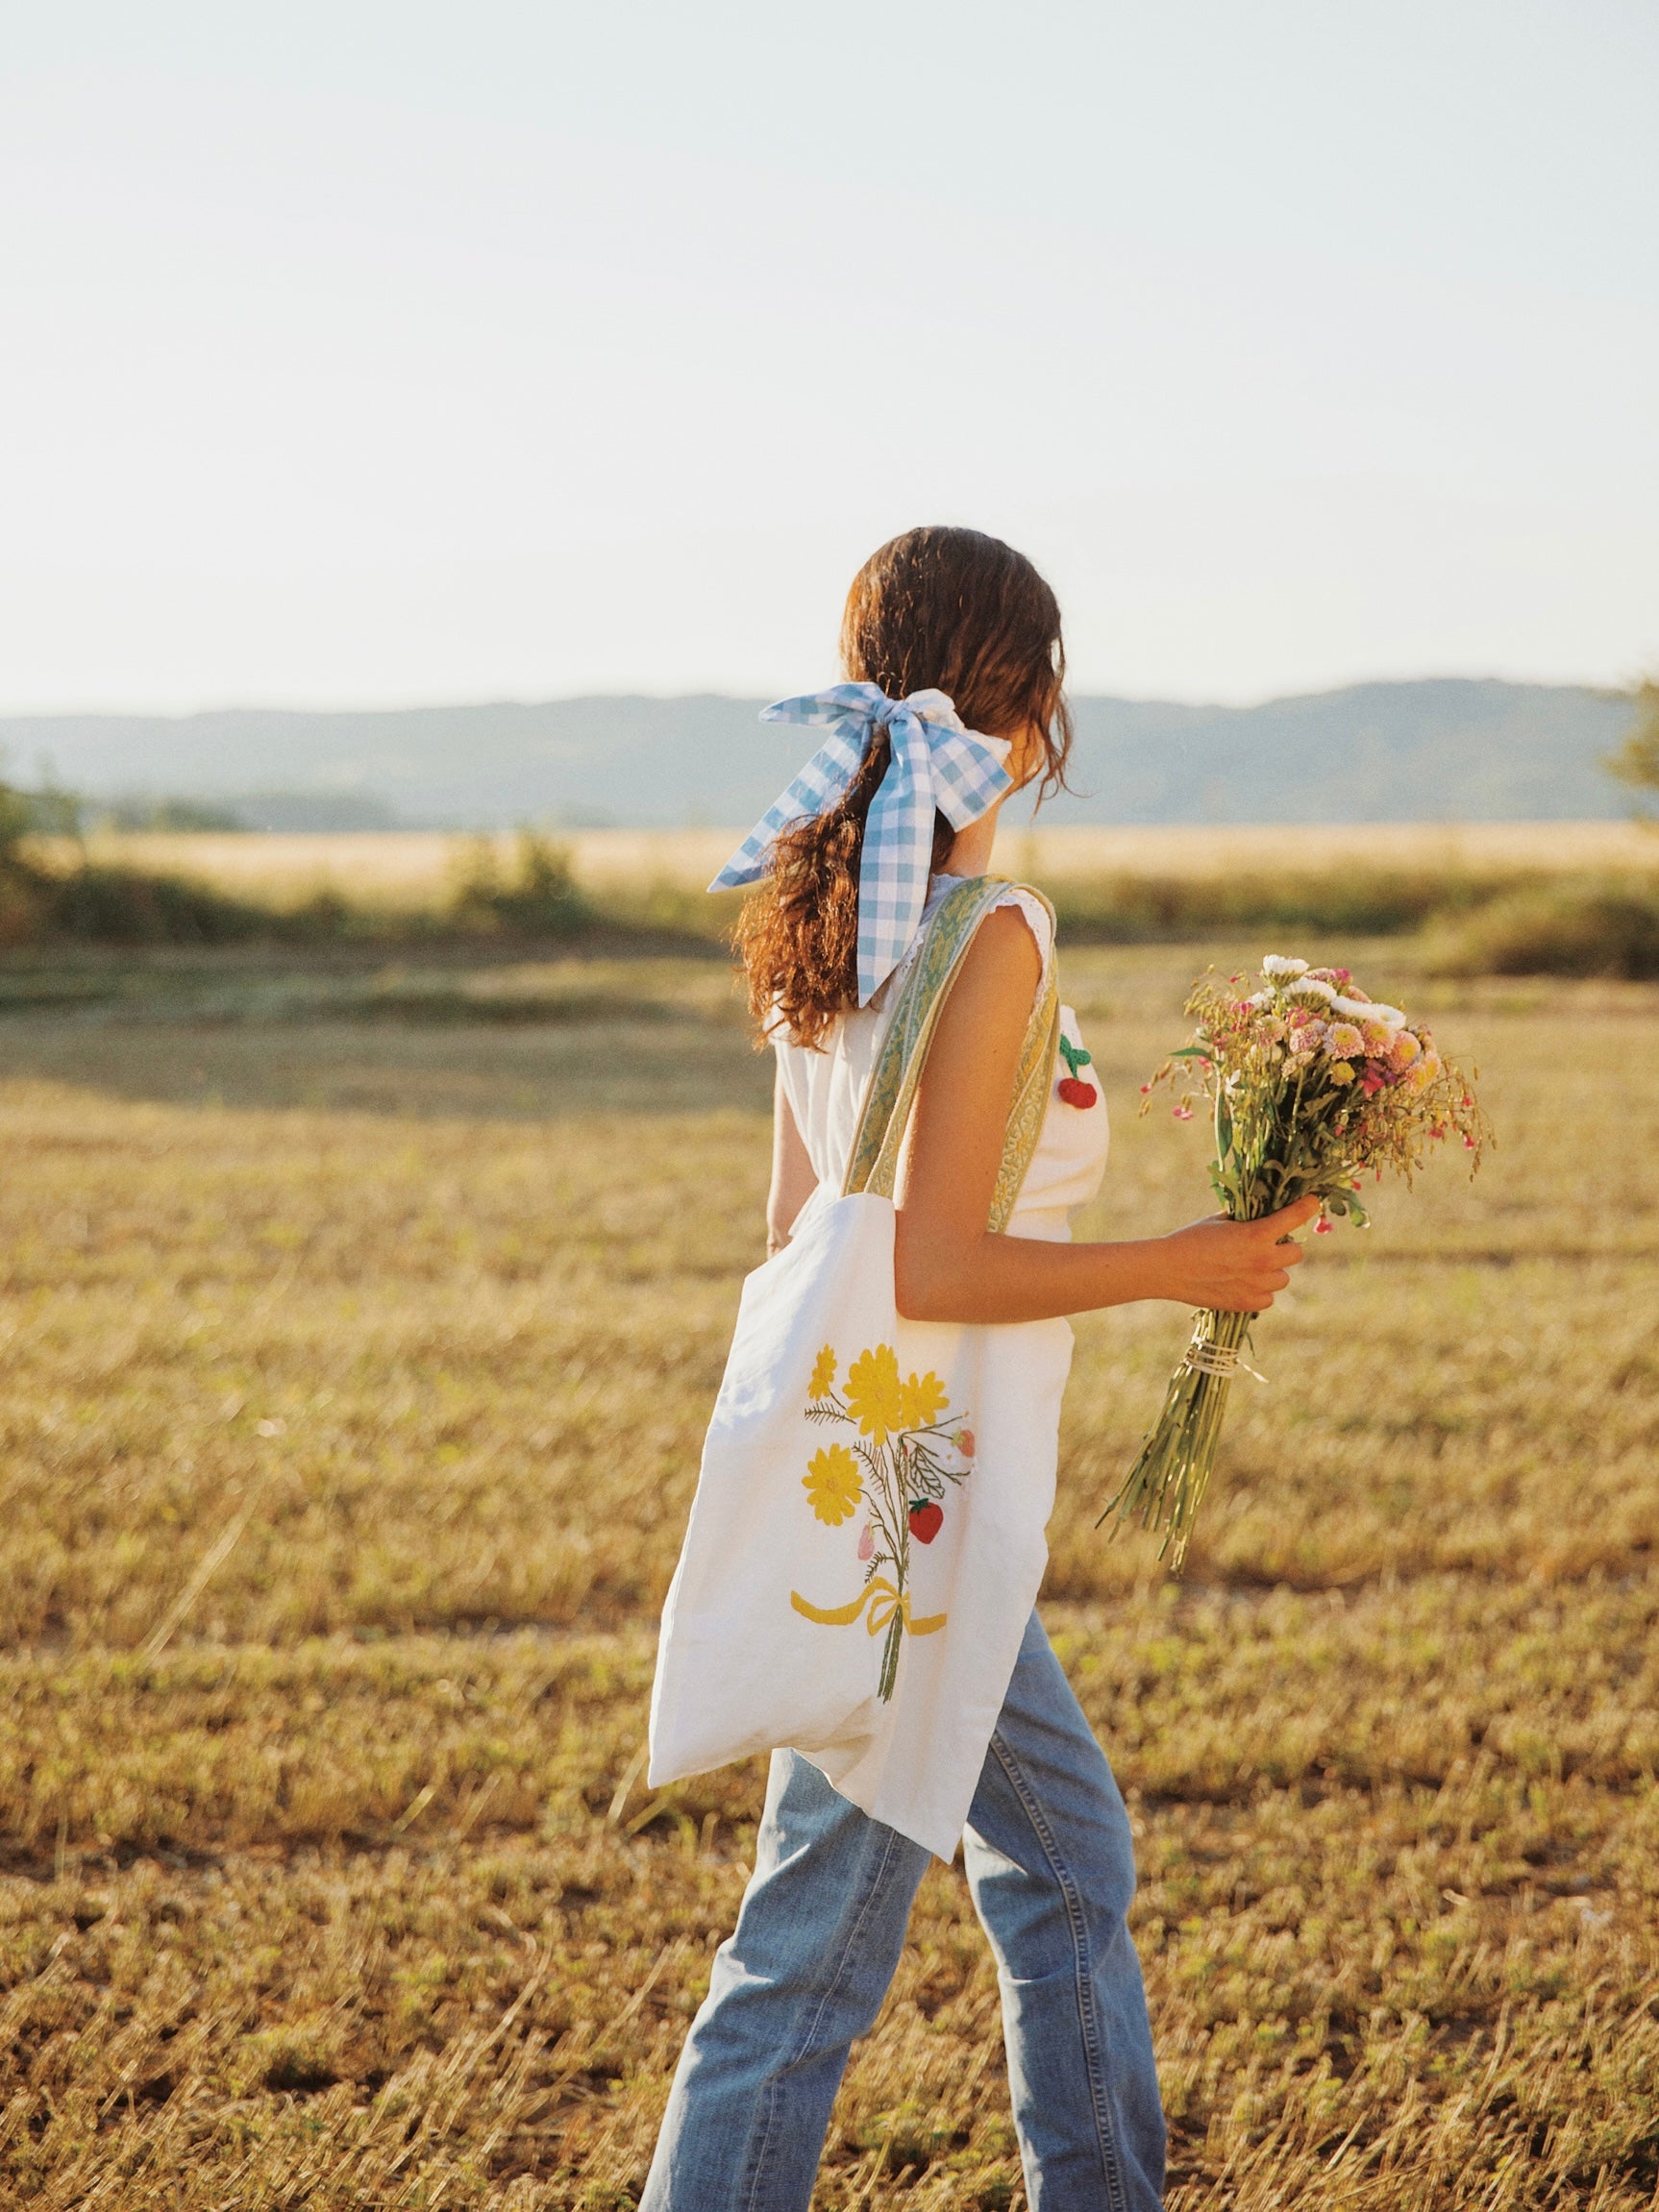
(937, 764)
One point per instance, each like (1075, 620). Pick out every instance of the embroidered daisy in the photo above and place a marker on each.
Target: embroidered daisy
(834, 1482)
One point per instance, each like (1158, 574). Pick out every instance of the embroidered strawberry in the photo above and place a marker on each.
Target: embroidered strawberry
(926, 1519)
(1074, 1091)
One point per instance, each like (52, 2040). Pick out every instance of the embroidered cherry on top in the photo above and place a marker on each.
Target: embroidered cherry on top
(1073, 1090)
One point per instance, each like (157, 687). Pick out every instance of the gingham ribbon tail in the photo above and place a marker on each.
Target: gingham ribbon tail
(937, 765)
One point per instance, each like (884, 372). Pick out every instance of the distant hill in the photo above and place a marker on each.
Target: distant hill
(1450, 748)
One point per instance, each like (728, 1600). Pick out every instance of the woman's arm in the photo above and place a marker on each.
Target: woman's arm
(793, 1181)
(948, 1268)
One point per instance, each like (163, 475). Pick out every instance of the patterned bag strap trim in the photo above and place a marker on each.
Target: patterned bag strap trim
(897, 1067)
(874, 1166)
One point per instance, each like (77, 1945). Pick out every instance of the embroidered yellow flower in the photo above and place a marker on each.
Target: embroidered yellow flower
(921, 1401)
(823, 1374)
(873, 1392)
(834, 1482)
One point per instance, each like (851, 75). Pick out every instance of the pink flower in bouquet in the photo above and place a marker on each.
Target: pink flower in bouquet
(1404, 1049)
(1345, 1041)
(1182, 1112)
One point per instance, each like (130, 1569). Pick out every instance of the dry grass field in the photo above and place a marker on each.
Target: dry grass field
(406, 870)
(358, 1342)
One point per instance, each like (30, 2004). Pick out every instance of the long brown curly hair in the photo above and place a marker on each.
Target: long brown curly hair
(939, 609)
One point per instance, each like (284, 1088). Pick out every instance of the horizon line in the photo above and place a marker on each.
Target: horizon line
(459, 705)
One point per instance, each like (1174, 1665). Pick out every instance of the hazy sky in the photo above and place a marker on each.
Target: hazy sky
(372, 353)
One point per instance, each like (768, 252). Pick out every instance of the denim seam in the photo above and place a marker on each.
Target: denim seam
(754, 2173)
(1093, 2053)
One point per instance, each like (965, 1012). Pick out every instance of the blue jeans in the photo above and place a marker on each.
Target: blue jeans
(1051, 1867)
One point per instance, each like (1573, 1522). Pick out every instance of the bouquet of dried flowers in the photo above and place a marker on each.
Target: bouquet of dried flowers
(1313, 1083)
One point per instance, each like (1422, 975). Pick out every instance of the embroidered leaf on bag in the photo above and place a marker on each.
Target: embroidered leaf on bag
(900, 1466)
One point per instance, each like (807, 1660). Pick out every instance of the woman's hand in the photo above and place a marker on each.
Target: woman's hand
(1233, 1266)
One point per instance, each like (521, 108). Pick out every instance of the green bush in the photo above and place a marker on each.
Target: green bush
(169, 816)
(1154, 910)
(662, 908)
(99, 905)
(119, 907)
(1554, 929)
(539, 898)
(25, 894)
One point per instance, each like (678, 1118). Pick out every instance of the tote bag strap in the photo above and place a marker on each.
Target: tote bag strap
(874, 1166)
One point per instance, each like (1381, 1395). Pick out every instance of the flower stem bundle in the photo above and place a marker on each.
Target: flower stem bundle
(1312, 1083)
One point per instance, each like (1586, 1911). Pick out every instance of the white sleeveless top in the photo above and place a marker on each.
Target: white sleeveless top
(825, 1093)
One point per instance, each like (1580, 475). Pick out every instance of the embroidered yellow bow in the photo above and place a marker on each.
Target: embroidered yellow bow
(884, 1598)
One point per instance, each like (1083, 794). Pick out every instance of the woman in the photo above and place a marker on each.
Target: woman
(1047, 1845)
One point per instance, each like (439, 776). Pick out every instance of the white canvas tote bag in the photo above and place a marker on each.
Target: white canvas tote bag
(867, 1537)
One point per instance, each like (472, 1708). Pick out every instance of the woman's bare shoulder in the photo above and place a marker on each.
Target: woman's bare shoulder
(1000, 972)
(1006, 939)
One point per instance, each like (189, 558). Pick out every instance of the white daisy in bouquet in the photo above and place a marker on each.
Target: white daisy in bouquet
(1313, 1084)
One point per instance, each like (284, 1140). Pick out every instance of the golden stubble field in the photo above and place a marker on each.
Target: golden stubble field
(355, 1377)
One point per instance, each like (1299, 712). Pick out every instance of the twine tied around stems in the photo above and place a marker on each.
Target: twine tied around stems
(1204, 1356)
